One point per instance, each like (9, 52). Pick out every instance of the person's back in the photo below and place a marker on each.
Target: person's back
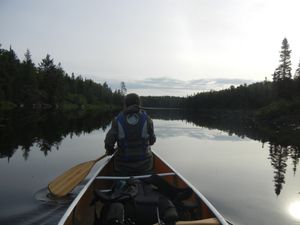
(133, 132)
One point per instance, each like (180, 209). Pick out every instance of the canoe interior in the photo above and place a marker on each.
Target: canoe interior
(83, 212)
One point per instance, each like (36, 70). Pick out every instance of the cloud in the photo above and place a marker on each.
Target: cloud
(176, 87)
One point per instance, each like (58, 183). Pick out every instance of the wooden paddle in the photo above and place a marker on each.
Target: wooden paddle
(210, 221)
(66, 182)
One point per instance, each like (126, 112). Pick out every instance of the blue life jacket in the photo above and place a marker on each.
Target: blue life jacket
(133, 136)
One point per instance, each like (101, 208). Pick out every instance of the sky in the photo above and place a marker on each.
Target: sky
(157, 47)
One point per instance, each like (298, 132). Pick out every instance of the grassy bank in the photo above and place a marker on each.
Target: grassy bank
(6, 106)
(66, 107)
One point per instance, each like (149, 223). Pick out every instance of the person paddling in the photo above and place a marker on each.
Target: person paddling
(133, 132)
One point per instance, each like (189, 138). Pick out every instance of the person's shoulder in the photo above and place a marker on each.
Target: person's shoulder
(117, 117)
(121, 113)
(147, 115)
(143, 112)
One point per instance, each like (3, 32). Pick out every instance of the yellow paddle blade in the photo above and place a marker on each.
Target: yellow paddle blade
(66, 182)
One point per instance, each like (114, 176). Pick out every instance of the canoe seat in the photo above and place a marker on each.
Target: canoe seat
(210, 221)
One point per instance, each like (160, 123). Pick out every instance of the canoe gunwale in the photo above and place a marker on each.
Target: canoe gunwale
(198, 193)
(81, 193)
(73, 205)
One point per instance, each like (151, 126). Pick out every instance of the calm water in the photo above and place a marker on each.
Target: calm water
(250, 174)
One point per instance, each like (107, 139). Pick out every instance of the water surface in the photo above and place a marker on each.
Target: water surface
(250, 176)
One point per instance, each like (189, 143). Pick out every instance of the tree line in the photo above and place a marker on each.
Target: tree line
(283, 88)
(47, 85)
(162, 101)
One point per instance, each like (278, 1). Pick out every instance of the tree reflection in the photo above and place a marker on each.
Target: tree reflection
(23, 130)
(283, 141)
(278, 157)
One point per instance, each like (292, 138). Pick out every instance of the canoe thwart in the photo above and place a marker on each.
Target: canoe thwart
(195, 206)
(132, 177)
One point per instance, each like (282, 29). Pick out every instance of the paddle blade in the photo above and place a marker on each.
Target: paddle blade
(65, 183)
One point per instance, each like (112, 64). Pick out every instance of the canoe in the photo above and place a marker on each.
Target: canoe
(81, 211)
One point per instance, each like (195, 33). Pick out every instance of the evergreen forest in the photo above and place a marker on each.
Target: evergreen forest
(269, 99)
(47, 85)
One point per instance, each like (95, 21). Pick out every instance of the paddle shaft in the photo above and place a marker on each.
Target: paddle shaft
(101, 157)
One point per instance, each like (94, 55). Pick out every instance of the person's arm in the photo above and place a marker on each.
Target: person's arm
(111, 138)
(152, 137)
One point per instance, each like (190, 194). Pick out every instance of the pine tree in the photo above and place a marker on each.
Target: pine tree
(47, 64)
(29, 91)
(283, 71)
(276, 75)
(27, 57)
(47, 85)
(51, 81)
(9, 75)
(123, 88)
(297, 72)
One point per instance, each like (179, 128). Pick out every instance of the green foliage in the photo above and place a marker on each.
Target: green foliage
(6, 105)
(123, 88)
(9, 75)
(283, 71)
(162, 101)
(273, 110)
(297, 73)
(48, 85)
(242, 97)
(270, 99)
(76, 99)
(67, 107)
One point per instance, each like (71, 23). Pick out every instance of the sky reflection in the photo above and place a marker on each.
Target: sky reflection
(247, 181)
(294, 210)
(179, 128)
(242, 177)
